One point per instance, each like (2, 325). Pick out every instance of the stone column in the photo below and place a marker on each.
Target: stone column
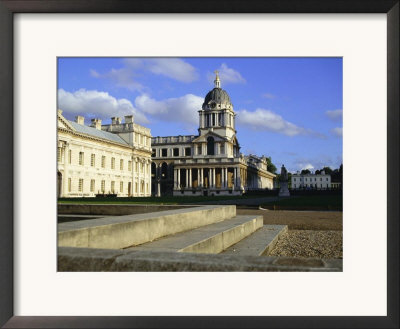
(235, 178)
(187, 178)
(190, 178)
(175, 178)
(201, 177)
(213, 177)
(64, 181)
(179, 178)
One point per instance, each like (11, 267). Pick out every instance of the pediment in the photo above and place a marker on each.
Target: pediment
(63, 123)
(203, 138)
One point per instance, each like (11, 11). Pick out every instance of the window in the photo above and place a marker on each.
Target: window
(121, 187)
(121, 164)
(199, 149)
(222, 150)
(320, 179)
(69, 184)
(92, 185)
(210, 146)
(112, 186)
(164, 152)
(112, 163)
(188, 151)
(69, 156)
(327, 179)
(130, 165)
(80, 187)
(176, 152)
(93, 160)
(81, 158)
(103, 186)
(103, 161)
(153, 153)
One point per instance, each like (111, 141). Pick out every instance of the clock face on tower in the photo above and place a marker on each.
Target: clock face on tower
(213, 105)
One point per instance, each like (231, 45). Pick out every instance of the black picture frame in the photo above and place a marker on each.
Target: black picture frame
(9, 7)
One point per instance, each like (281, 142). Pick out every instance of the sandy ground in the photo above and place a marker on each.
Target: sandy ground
(300, 220)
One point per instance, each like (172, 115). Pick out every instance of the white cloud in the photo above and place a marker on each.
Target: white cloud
(227, 75)
(338, 131)
(123, 77)
(93, 103)
(182, 109)
(314, 163)
(267, 120)
(126, 76)
(268, 96)
(335, 115)
(173, 68)
(308, 166)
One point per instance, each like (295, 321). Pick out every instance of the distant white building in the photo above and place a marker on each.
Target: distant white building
(316, 181)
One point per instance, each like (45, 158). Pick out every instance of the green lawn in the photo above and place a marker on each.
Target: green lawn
(156, 200)
(329, 202)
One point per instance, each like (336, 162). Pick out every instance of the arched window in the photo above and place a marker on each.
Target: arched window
(210, 146)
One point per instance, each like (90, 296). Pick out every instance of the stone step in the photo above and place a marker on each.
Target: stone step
(259, 243)
(210, 239)
(116, 232)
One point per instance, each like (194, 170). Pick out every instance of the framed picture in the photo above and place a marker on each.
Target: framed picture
(34, 294)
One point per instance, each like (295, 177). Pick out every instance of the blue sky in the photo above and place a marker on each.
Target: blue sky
(287, 108)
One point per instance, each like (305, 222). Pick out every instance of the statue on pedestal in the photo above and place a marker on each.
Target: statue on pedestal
(284, 190)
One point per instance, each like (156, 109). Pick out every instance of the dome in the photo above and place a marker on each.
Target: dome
(217, 95)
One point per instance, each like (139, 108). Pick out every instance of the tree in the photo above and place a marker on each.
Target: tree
(270, 166)
(305, 172)
(328, 170)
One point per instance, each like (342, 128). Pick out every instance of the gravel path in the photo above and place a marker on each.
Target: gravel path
(305, 243)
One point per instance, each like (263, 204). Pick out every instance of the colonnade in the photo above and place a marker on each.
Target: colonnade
(207, 177)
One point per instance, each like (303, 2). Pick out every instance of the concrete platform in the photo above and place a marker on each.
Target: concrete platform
(105, 260)
(116, 232)
(260, 242)
(211, 239)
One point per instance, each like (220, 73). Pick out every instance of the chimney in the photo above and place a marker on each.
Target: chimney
(80, 120)
(116, 120)
(96, 123)
(128, 118)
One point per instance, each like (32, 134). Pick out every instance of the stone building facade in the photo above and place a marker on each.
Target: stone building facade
(103, 159)
(315, 181)
(208, 163)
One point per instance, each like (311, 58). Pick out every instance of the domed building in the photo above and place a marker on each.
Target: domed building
(209, 163)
